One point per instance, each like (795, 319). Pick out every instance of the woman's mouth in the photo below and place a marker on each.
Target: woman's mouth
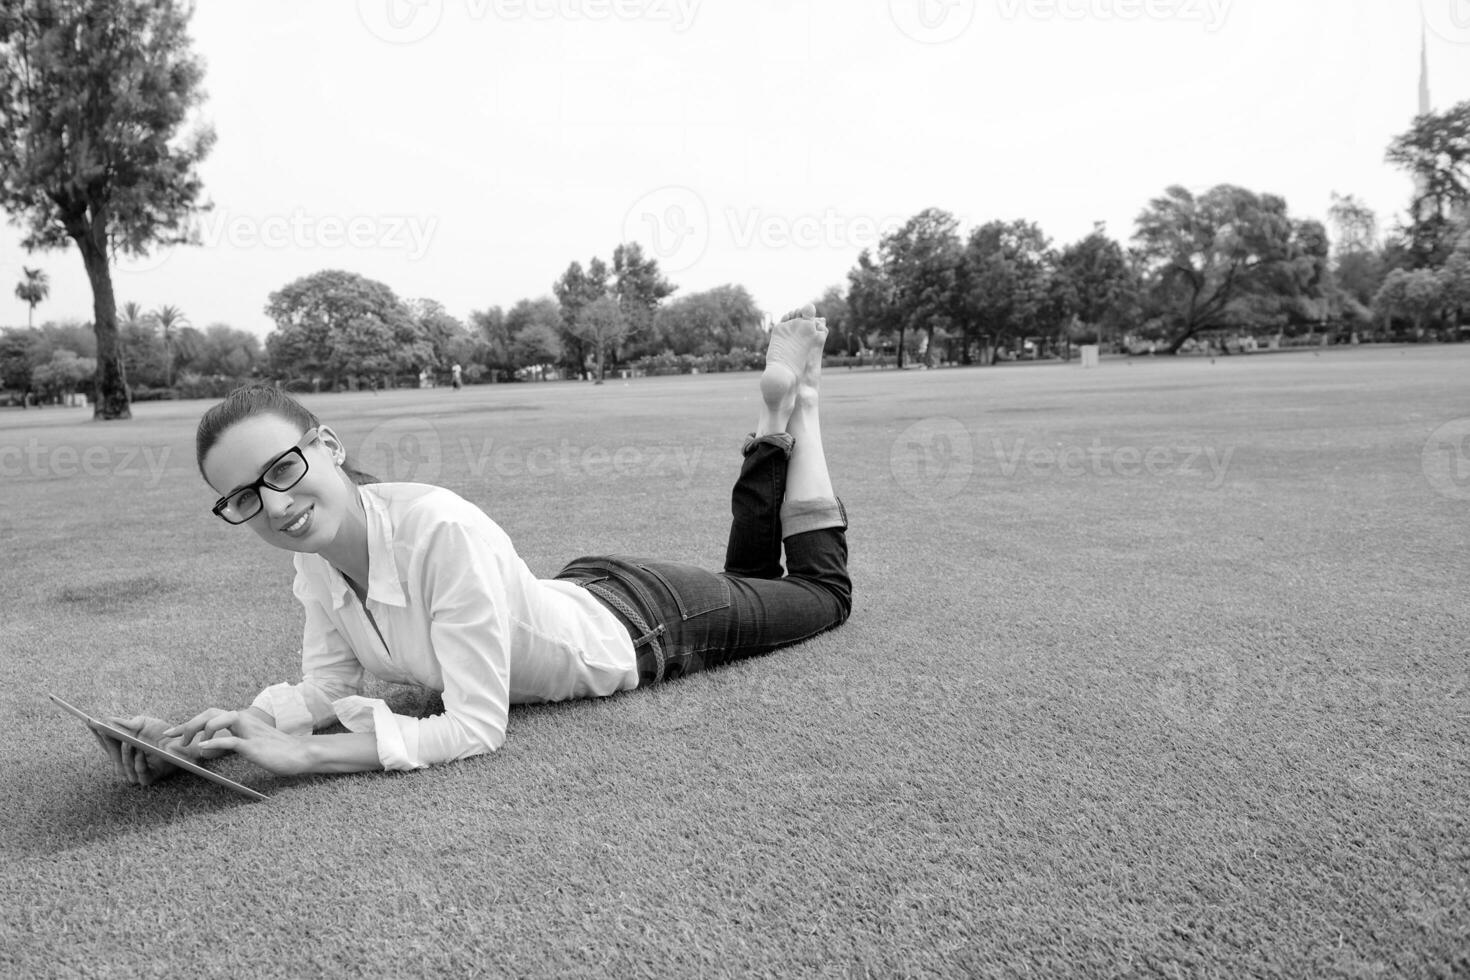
(299, 525)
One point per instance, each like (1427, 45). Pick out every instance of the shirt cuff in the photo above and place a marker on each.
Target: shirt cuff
(286, 704)
(398, 738)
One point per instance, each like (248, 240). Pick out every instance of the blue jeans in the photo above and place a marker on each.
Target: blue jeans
(684, 619)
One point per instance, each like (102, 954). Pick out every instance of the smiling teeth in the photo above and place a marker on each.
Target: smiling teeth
(296, 524)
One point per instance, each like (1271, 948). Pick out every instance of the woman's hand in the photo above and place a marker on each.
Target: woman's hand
(133, 764)
(182, 737)
(259, 741)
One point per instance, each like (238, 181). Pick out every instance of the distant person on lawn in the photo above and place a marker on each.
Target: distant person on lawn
(415, 584)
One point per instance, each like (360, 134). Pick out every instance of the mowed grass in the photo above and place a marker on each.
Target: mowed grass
(1157, 669)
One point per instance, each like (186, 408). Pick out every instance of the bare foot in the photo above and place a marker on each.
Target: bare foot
(812, 375)
(788, 362)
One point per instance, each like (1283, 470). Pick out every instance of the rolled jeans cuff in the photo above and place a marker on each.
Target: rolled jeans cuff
(783, 439)
(801, 516)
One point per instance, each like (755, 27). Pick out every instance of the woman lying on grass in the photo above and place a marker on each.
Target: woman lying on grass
(415, 584)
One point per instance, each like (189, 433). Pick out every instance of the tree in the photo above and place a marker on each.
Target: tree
(1355, 223)
(31, 290)
(1226, 257)
(1436, 153)
(143, 351)
(342, 325)
(170, 320)
(716, 321)
(871, 303)
(921, 261)
(537, 343)
(20, 352)
(62, 373)
(490, 326)
(220, 350)
(574, 291)
(1007, 278)
(1454, 279)
(543, 310)
(443, 333)
(1414, 294)
(638, 286)
(93, 94)
(601, 324)
(1095, 281)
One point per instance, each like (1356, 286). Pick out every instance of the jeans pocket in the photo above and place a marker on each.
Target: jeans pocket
(695, 591)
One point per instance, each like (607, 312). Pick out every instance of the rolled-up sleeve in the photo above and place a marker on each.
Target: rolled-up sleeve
(464, 585)
(330, 671)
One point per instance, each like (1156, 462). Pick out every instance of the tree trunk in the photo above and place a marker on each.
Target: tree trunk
(900, 347)
(110, 388)
(600, 374)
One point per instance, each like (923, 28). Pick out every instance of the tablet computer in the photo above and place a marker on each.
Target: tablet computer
(112, 731)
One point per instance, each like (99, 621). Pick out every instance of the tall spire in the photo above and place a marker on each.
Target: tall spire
(1423, 69)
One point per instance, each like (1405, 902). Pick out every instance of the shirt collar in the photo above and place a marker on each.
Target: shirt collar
(383, 584)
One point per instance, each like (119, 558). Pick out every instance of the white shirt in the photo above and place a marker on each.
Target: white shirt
(455, 609)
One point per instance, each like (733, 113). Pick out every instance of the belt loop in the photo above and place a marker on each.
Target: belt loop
(649, 636)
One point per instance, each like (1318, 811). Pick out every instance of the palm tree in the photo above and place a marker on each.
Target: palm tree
(132, 315)
(168, 317)
(31, 290)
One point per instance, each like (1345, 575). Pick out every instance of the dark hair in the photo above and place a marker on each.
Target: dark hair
(249, 401)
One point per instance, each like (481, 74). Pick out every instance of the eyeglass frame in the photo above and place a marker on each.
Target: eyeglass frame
(307, 438)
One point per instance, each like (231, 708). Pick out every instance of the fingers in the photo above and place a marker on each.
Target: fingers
(113, 748)
(224, 744)
(219, 723)
(191, 728)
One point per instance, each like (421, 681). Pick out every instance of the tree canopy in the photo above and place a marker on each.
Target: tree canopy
(94, 95)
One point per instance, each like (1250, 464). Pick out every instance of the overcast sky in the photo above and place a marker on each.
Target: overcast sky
(468, 150)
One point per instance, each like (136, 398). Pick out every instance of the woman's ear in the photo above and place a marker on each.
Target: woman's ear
(333, 444)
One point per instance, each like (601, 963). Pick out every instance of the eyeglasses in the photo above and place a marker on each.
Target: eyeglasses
(283, 473)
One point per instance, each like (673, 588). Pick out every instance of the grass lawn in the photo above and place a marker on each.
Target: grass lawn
(1157, 669)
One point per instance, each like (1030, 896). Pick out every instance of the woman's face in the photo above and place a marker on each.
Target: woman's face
(305, 517)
